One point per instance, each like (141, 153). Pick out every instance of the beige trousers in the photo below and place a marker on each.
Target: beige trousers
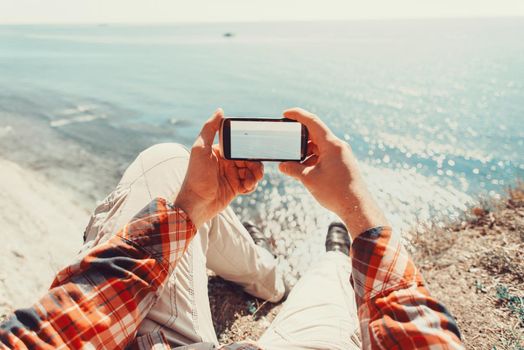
(325, 319)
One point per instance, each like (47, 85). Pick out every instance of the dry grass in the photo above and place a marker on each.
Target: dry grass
(477, 270)
(237, 315)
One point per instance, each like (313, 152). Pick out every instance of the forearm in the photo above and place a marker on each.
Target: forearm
(395, 308)
(361, 212)
(102, 298)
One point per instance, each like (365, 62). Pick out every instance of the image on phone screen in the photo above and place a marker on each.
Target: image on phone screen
(266, 140)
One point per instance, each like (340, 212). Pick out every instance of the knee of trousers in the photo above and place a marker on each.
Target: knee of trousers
(163, 151)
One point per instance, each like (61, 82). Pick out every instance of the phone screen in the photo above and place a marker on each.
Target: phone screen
(269, 140)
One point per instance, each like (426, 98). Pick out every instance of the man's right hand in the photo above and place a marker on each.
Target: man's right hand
(211, 181)
(331, 174)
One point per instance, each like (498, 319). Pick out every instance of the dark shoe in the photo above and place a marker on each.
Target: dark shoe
(337, 239)
(258, 236)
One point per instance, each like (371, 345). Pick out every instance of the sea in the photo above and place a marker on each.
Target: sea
(433, 109)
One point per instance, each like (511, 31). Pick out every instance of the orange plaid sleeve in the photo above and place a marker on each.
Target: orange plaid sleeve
(395, 309)
(99, 301)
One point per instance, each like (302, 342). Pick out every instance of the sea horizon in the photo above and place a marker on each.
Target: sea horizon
(171, 23)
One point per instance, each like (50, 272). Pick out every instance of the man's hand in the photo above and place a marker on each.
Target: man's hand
(212, 182)
(331, 174)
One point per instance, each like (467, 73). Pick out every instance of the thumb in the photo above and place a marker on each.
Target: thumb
(293, 169)
(211, 126)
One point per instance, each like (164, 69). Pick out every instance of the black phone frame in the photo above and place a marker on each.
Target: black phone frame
(225, 138)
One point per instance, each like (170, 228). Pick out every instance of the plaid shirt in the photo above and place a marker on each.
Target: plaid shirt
(99, 301)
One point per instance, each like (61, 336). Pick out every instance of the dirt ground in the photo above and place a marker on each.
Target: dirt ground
(476, 268)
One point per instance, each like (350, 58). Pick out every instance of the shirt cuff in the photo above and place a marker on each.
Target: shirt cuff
(380, 263)
(161, 230)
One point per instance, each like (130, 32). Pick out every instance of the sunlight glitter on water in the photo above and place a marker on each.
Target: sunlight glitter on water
(297, 224)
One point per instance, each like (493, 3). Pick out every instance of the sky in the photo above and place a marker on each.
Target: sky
(177, 11)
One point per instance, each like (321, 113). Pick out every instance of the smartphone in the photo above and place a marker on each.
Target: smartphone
(263, 139)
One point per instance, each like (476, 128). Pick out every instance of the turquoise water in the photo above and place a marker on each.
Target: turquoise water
(433, 109)
(424, 94)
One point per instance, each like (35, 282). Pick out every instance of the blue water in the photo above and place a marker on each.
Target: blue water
(433, 109)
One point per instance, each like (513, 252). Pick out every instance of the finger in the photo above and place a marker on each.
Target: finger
(230, 173)
(312, 160)
(311, 149)
(240, 163)
(216, 151)
(249, 183)
(248, 178)
(318, 131)
(242, 173)
(210, 128)
(257, 168)
(251, 190)
(293, 169)
(234, 175)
